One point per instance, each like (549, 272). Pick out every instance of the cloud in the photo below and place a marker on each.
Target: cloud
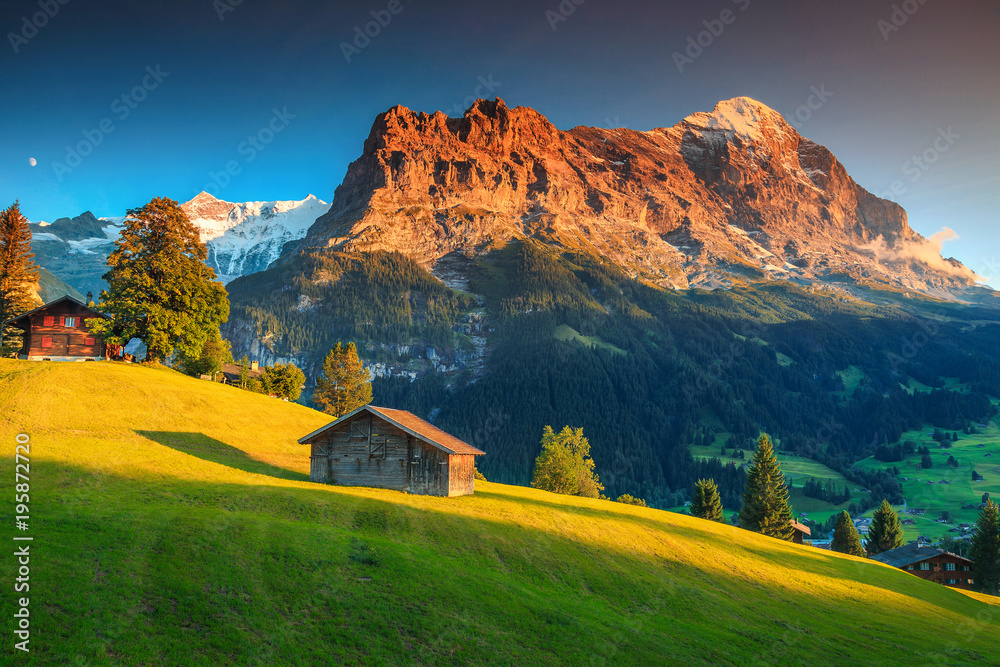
(924, 251)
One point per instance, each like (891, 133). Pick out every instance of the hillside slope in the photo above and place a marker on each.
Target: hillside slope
(174, 524)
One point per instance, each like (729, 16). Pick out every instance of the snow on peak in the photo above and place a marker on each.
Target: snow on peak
(743, 116)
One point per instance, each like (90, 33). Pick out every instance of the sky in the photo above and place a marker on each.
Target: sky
(118, 102)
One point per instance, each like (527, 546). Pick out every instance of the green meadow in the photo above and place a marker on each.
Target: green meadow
(174, 524)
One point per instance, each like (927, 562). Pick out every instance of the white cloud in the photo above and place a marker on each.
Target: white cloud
(924, 251)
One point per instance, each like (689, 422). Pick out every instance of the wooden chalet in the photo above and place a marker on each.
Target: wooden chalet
(231, 372)
(391, 449)
(801, 532)
(930, 563)
(58, 331)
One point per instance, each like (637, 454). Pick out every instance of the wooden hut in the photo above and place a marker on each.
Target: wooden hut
(58, 331)
(391, 449)
(802, 532)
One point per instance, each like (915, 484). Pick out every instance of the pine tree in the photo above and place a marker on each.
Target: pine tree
(18, 274)
(845, 536)
(706, 503)
(345, 383)
(564, 464)
(885, 532)
(765, 496)
(159, 288)
(985, 549)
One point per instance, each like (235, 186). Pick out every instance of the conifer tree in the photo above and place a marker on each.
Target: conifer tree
(18, 274)
(565, 466)
(159, 287)
(345, 384)
(845, 536)
(885, 532)
(765, 496)
(706, 503)
(985, 549)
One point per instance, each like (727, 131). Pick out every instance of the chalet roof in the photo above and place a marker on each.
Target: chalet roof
(408, 422)
(232, 371)
(801, 528)
(15, 320)
(909, 554)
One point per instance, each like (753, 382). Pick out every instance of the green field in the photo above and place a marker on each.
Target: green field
(565, 332)
(980, 451)
(174, 524)
(799, 470)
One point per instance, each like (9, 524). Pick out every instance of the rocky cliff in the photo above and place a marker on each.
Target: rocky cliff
(735, 193)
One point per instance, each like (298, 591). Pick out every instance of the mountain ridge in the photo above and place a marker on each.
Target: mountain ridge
(736, 193)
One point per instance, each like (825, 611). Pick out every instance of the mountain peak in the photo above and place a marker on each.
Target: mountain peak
(743, 116)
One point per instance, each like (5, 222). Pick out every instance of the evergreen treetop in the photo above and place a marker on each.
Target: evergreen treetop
(345, 384)
(565, 466)
(885, 532)
(985, 549)
(765, 496)
(846, 539)
(18, 273)
(706, 502)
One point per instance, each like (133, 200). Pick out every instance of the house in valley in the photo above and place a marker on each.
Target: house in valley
(931, 563)
(58, 331)
(802, 532)
(391, 449)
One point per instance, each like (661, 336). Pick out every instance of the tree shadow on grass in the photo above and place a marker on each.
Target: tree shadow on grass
(216, 451)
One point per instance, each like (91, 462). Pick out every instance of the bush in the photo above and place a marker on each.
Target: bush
(630, 500)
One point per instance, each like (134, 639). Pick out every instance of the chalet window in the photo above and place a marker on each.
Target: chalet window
(376, 447)
(953, 581)
(950, 567)
(69, 322)
(965, 568)
(49, 321)
(89, 342)
(925, 566)
(972, 582)
(909, 567)
(359, 430)
(46, 341)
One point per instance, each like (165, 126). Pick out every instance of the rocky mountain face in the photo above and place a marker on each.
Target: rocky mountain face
(732, 194)
(242, 238)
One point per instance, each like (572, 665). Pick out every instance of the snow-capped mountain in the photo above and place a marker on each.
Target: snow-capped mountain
(241, 238)
(248, 237)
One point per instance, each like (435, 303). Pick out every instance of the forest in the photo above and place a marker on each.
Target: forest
(646, 372)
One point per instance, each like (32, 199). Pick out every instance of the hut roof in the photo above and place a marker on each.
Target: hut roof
(801, 528)
(25, 316)
(909, 554)
(408, 422)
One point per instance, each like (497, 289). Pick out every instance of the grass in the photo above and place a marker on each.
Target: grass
(174, 525)
(980, 452)
(565, 332)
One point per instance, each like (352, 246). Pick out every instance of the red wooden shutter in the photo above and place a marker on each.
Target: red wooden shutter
(46, 341)
(89, 342)
(49, 321)
(62, 320)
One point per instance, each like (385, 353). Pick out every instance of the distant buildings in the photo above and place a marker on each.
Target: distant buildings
(930, 563)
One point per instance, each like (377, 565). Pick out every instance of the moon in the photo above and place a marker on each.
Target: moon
(32, 161)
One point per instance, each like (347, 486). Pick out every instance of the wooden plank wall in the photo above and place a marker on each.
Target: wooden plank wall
(342, 457)
(66, 342)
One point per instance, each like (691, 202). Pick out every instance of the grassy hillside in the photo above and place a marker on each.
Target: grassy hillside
(174, 524)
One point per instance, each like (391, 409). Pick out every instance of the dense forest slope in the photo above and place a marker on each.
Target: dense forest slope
(181, 529)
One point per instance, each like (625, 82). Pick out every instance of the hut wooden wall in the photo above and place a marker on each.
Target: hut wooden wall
(462, 475)
(66, 341)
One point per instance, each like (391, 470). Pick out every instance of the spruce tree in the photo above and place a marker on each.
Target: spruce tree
(159, 287)
(345, 384)
(706, 503)
(885, 532)
(845, 536)
(18, 274)
(765, 496)
(985, 550)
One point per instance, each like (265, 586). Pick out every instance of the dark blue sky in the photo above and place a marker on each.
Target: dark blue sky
(607, 64)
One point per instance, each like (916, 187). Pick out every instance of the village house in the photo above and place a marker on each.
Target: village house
(391, 449)
(231, 373)
(801, 532)
(58, 331)
(930, 563)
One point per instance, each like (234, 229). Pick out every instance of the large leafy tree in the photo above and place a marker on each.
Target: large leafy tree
(845, 536)
(564, 464)
(159, 288)
(985, 550)
(284, 381)
(765, 495)
(215, 353)
(885, 532)
(18, 273)
(345, 384)
(706, 503)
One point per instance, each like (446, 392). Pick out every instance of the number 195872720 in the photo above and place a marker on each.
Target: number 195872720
(21, 487)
